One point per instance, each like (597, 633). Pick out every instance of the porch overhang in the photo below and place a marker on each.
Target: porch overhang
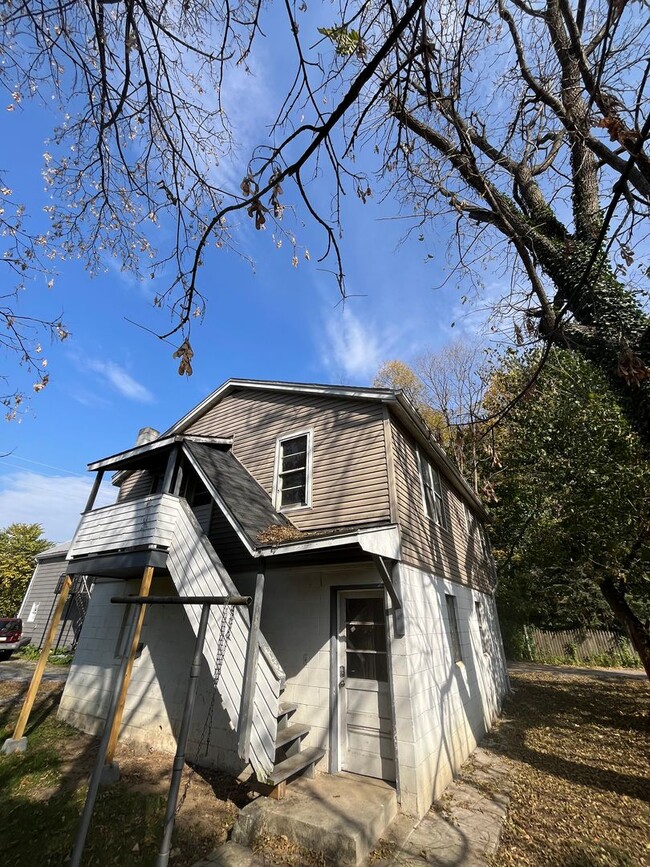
(383, 541)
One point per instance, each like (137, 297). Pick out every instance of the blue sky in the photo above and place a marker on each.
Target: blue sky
(111, 378)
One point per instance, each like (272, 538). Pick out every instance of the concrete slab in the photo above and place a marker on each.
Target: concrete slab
(340, 816)
(14, 745)
(465, 827)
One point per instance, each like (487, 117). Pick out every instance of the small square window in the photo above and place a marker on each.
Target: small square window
(432, 492)
(456, 649)
(293, 472)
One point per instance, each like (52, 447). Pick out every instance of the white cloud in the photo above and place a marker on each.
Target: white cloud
(355, 349)
(55, 502)
(121, 381)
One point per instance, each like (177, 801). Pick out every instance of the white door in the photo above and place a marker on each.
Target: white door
(365, 722)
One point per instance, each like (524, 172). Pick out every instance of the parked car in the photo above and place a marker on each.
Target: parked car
(11, 636)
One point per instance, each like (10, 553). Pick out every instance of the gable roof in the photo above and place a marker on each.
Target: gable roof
(396, 401)
(239, 495)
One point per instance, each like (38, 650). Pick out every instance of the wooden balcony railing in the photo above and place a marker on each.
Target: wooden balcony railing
(147, 522)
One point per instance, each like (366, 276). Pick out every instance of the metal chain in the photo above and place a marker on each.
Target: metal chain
(206, 735)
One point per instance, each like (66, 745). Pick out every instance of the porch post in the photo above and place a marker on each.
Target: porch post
(250, 672)
(172, 460)
(93, 491)
(18, 743)
(145, 586)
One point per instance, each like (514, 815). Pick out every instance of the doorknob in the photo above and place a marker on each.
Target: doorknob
(342, 675)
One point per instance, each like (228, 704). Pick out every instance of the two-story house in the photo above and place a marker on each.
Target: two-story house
(381, 653)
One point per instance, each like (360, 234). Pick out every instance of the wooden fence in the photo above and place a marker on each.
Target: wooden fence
(595, 646)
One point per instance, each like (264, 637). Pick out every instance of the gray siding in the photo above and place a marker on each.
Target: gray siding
(451, 553)
(41, 592)
(350, 477)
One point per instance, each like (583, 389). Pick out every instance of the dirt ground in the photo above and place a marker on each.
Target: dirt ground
(576, 743)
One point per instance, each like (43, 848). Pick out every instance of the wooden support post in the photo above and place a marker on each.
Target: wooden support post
(250, 672)
(170, 469)
(279, 792)
(145, 586)
(40, 668)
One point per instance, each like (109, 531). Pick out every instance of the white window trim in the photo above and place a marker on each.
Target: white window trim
(468, 518)
(33, 612)
(425, 463)
(309, 433)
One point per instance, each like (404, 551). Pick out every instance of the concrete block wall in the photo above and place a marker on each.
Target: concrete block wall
(442, 707)
(156, 695)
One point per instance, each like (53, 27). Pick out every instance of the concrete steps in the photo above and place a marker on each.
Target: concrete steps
(340, 816)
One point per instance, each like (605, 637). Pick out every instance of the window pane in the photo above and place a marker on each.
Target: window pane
(293, 496)
(365, 610)
(363, 636)
(428, 498)
(294, 462)
(367, 666)
(294, 479)
(291, 447)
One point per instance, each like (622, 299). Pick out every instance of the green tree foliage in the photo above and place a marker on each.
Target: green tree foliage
(571, 514)
(567, 483)
(19, 545)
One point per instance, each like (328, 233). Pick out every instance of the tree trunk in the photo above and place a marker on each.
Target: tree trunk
(614, 594)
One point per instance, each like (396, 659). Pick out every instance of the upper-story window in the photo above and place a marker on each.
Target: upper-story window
(432, 491)
(292, 486)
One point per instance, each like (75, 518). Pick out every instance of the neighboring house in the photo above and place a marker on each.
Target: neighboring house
(381, 653)
(37, 606)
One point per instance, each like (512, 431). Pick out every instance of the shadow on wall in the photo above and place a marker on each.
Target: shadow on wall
(457, 701)
(158, 689)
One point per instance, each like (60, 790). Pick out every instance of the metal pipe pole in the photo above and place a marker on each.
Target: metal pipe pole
(93, 785)
(179, 759)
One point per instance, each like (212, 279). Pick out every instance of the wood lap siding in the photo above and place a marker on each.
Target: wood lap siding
(135, 486)
(350, 476)
(450, 553)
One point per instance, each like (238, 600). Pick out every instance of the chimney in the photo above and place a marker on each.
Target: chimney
(146, 435)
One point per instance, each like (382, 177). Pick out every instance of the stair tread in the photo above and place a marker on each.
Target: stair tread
(286, 707)
(290, 733)
(293, 764)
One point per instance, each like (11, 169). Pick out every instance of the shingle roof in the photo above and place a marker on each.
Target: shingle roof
(245, 499)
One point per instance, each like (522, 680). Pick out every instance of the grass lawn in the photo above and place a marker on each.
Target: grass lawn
(578, 745)
(42, 793)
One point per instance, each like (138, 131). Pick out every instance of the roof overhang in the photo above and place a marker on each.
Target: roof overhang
(383, 541)
(131, 459)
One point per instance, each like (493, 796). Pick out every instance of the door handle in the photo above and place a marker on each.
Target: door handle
(342, 675)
